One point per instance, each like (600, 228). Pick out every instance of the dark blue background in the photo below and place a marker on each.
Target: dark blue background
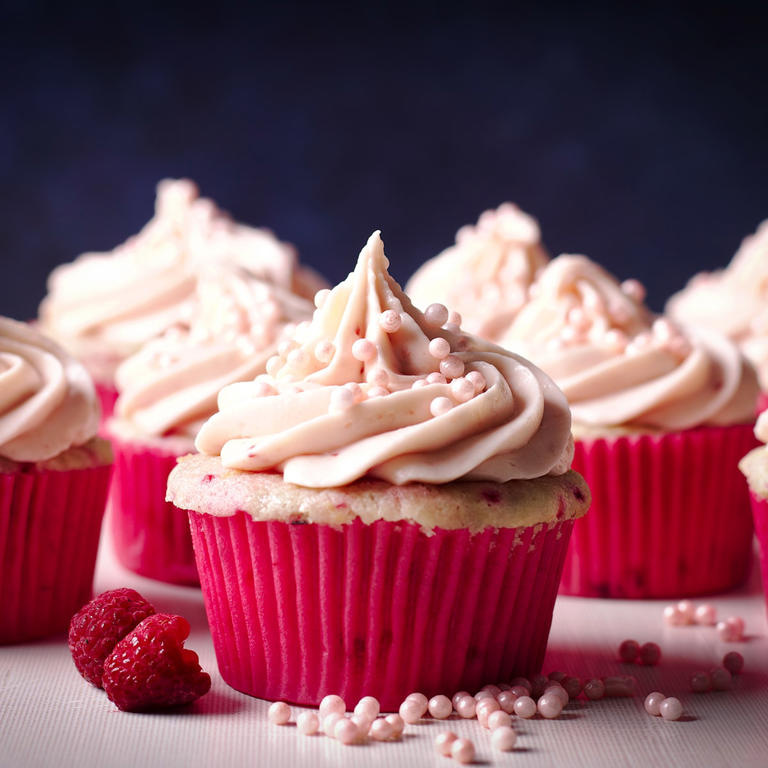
(637, 136)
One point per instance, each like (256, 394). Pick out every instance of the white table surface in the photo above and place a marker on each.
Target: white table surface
(49, 716)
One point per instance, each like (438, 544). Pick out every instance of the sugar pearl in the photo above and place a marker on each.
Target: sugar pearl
(435, 378)
(556, 689)
(629, 651)
(279, 713)
(462, 390)
(440, 406)
(504, 738)
(390, 321)
(274, 364)
(459, 695)
(436, 314)
(504, 687)
(620, 685)
(466, 706)
(356, 390)
(671, 709)
(377, 392)
(378, 376)
(412, 710)
(452, 367)
(673, 616)
(634, 289)
(688, 609)
(557, 676)
(440, 707)
(321, 296)
(381, 730)
(346, 731)
(550, 705)
(721, 679)
(507, 701)
(650, 654)
(594, 689)
(324, 351)
(733, 662)
(341, 400)
(454, 318)
(498, 719)
(483, 694)
(478, 382)
(572, 686)
(538, 682)
(615, 340)
(706, 614)
(419, 383)
(363, 723)
(364, 350)
(444, 742)
(284, 348)
(521, 690)
(731, 630)
(463, 750)
(451, 327)
(652, 703)
(368, 707)
(308, 723)
(700, 682)
(439, 348)
(397, 723)
(329, 723)
(494, 690)
(525, 707)
(331, 703)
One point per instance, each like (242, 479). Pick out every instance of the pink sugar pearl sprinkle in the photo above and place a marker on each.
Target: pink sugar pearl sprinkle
(629, 651)
(594, 689)
(731, 630)
(722, 680)
(525, 707)
(671, 709)
(652, 703)
(466, 706)
(463, 751)
(550, 705)
(397, 723)
(381, 730)
(706, 615)
(650, 654)
(504, 738)
(331, 703)
(444, 742)
(308, 723)
(279, 713)
(733, 662)
(440, 707)
(436, 314)
(701, 682)
(498, 719)
(346, 731)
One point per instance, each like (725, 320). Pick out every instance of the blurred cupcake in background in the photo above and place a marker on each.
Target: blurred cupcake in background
(734, 301)
(103, 307)
(168, 389)
(486, 275)
(662, 413)
(54, 476)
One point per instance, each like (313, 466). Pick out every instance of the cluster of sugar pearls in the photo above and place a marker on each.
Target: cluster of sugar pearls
(686, 613)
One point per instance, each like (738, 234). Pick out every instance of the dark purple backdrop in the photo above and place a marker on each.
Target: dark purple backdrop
(638, 137)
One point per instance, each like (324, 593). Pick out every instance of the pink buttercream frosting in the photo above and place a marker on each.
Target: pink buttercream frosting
(47, 400)
(486, 275)
(374, 387)
(733, 301)
(620, 365)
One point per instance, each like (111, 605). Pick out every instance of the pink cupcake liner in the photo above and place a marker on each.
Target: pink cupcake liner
(760, 517)
(49, 534)
(151, 537)
(298, 611)
(669, 518)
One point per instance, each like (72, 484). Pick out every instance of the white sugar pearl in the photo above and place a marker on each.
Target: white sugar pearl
(439, 348)
(377, 392)
(507, 701)
(454, 318)
(466, 706)
(435, 378)
(521, 690)
(504, 738)
(368, 707)
(411, 711)
(274, 364)
(673, 616)
(308, 723)
(381, 730)
(498, 719)
(483, 694)
(440, 406)
(390, 321)
(688, 609)
(419, 383)
(458, 695)
(321, 296)
(451, 367)
(331, 703)
(525, 707)
(478, 382)
(346, 731)
(420, 699)
(324, 351)
(463, 751)
(653, 702)
(556, 689)
(671, 708)
(341, 400)
(436, 314)
(444, 742)
(440, 707)
(279, 713)
(364, 350)
(378, 376)
(634, 289)
(706, 614)
(362, 722)
(550, 705)
(329, 723)
(397, 723)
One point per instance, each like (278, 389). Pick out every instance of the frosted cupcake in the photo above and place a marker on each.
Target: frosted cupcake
(486, 275)
(661, 416)
(755, 467)
(54, 475)
(103, 307)
(386, 510)
(734, 301)
(167, 390)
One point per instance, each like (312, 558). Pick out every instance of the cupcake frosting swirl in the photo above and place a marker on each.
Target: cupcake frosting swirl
(47, 400)
(733, 301)
(486, 275)
(618, 364)
(371, 386)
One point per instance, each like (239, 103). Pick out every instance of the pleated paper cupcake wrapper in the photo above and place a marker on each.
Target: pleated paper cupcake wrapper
(298, 611)
(151, 537)
(669, 518)
(49, 535)
(760, 517)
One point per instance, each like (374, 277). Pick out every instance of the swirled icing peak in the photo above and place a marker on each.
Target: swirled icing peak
(485, 276)
(372, 386)
(734, 300)
(619, 364)
(47, 400)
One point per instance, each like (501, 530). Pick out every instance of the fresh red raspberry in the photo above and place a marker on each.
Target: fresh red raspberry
(99, 625)
(150, 668)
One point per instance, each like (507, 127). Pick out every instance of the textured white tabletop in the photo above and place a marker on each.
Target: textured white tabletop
(50, 717)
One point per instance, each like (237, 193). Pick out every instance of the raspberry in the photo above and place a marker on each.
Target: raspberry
(150, 668)
(99, 625)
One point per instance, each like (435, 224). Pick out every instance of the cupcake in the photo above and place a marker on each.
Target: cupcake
(167, 390)
(103, 307)
(386, 510)
(54, 475)
(755, 467)
(661, 415)
(734, 301)
(486, 275)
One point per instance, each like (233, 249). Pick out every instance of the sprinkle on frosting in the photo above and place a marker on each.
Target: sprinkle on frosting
(47, 400)
(618, 364)
(378, 403)
(484, 278)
